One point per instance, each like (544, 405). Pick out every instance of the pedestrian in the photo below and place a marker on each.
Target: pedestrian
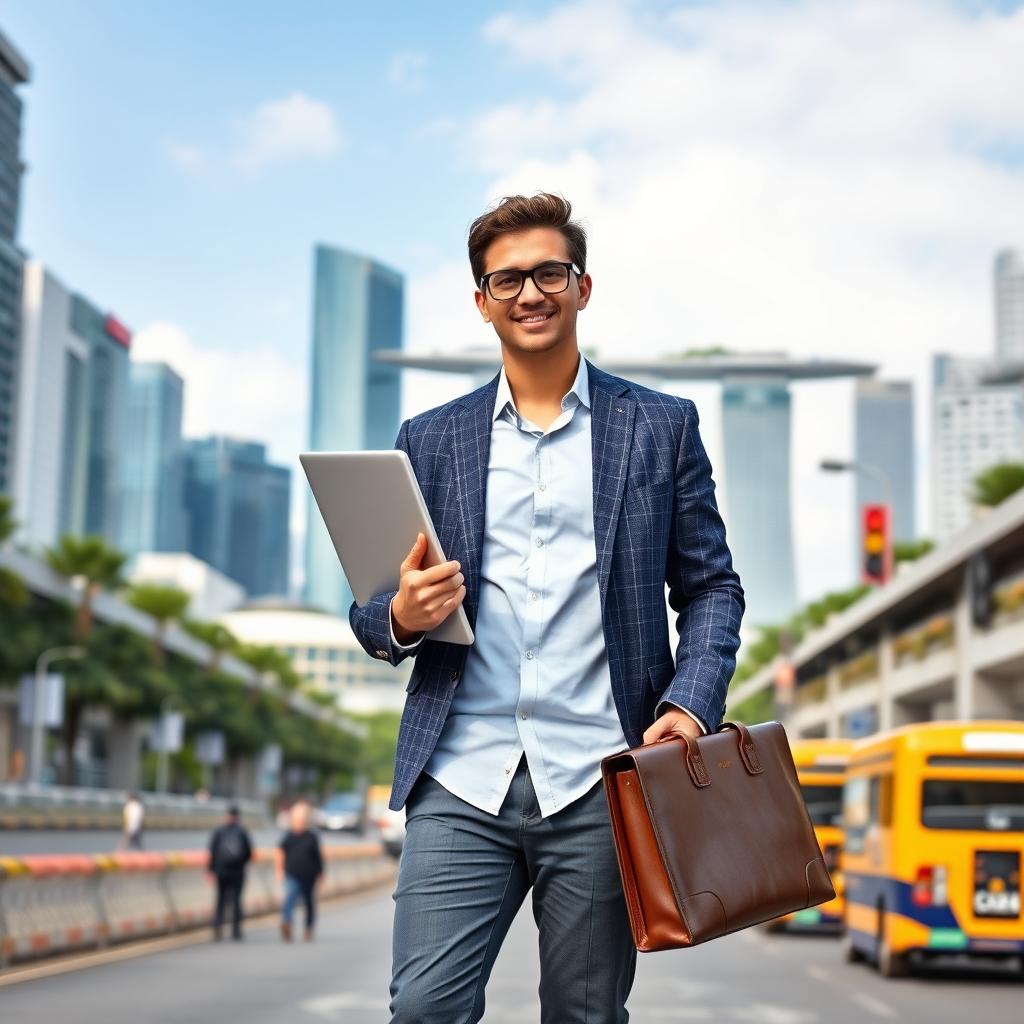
(230, 851)
(133, 815)
(565, 499)
(298, 862)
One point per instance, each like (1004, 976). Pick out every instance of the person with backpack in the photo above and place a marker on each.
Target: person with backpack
(230, 851)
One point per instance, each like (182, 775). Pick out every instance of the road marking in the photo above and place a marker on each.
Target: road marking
(765, 1013)
(818, 973)
(873, 1005)
(328, 1006)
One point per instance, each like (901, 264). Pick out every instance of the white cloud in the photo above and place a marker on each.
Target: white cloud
(799, 176)
(253, 395)
(407, 70)
(186, 156)
(296, 127)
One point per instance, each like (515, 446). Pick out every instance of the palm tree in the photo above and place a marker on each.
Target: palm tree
(218, 638)
(94, 560)
(13, 592)
(270, 659)
(165, 605)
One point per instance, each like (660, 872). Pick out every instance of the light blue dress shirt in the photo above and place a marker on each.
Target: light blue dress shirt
(536, 679)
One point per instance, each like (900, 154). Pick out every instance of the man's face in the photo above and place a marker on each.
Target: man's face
(534, 321)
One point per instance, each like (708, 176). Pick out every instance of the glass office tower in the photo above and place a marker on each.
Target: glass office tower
(237, 507)
(355, 402)
(153, 468)
(14, 71)
(756, 428)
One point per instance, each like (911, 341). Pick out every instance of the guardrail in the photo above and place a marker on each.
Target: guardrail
(34, 806)
(64, 902)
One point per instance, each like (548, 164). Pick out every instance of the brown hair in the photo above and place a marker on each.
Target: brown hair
(519, 213)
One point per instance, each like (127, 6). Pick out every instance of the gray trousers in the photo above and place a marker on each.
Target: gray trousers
(462, 877)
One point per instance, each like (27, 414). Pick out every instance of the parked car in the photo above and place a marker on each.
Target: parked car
(343, 812)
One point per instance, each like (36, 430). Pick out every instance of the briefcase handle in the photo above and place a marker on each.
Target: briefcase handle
(695, 762)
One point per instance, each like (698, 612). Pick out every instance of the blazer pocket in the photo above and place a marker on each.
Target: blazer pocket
(661, 674)
(650, 489)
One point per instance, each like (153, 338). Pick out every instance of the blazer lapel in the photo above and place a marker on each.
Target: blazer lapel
(611, 421)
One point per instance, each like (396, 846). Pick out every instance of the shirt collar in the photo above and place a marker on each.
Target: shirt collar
(580, 388)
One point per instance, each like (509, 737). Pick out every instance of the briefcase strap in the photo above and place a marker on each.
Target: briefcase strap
(748, 748)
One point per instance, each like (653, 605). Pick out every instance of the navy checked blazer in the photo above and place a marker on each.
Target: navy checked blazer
(655, 521)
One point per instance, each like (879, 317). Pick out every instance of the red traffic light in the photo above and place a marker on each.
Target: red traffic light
(876, 549)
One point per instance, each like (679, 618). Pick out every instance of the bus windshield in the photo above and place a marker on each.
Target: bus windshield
(975, 805)
(824, 804)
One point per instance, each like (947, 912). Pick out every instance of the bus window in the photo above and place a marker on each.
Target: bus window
(824, 804)
(973, 805)
(856, 814)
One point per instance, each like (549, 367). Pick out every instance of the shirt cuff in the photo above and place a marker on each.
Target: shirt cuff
(391, 628)
(686, 711)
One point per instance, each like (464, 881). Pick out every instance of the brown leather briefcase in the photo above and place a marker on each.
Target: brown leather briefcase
(712, 835)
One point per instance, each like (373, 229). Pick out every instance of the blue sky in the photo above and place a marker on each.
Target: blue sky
(822, 178)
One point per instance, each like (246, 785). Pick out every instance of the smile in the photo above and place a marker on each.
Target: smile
(534, 318)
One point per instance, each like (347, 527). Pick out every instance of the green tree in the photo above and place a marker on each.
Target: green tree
(163, 604)
(911, 550)
(270, 659)
(13, 592)
(97, 563)
(997, 483)
(217, 637)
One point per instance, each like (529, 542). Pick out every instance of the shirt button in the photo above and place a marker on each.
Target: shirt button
(529, 655)
(523, 715)
(543, 487)
(540, 542)
(533, 595)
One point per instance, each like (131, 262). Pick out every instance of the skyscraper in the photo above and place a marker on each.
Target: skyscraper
(1009, 296)
(72, 388)
(237, 507)
(884, 439)
(153, 467)
(14, 71)
(355, 400)
(974, 426)
(109, 344)
(756, 429)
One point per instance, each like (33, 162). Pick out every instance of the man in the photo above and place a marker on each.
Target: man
(565, 498)
(297, 862)
(230, 851)
(133, 814)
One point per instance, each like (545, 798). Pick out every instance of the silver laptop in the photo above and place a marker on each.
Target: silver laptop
(373, 508)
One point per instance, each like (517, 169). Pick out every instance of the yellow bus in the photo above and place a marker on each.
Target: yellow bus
(821, 771)
(933, 820)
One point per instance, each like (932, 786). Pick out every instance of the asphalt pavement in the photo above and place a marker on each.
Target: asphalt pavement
(343, 976)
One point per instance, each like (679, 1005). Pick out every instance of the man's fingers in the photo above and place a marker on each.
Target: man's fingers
(416, 553)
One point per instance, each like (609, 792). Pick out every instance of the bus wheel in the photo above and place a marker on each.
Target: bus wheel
(851, 954)
(890, 964)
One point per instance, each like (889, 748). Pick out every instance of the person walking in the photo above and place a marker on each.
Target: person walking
(230, 852)
(566, 499)
(133, 814)
(299, 864)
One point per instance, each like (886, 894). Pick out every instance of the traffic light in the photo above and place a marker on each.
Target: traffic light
(876, 547)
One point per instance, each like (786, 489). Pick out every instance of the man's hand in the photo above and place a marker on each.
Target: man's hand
(677, 723)
(426, 597)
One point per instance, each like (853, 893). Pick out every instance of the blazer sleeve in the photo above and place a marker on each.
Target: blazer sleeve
(704, 589)
(372, 623)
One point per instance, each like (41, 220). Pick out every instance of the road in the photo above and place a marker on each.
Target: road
(750, 978)
(17, 842)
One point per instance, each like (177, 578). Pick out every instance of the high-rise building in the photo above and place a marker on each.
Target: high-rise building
(107, 402)
(884, 441)
(756, 430)
(355, 400)
(153, 467)
(52, 435)
(237, 506)
(974, 426)
(14, 71)
(72, 387)
(1009, 296)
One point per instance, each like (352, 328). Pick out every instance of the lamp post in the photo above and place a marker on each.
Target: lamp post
(162, 754)
(43, 662)
(865, 469)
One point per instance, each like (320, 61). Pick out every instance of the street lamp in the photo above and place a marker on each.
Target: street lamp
(43, 662)
(161, 761)
(865, 469)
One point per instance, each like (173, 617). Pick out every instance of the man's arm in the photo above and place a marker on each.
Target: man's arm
(704, 589)
(372, 624)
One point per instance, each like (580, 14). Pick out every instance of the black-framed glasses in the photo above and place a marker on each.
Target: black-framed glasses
(550, 277)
